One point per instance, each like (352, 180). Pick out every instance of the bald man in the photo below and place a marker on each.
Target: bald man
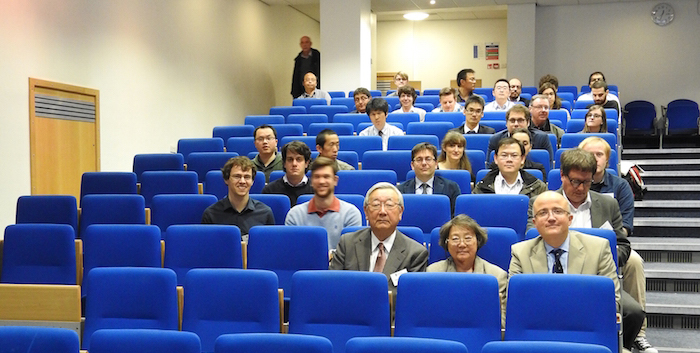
(308, 60)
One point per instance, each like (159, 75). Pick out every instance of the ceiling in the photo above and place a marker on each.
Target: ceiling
(393, 10)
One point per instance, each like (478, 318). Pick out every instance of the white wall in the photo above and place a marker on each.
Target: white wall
(165, 69)
(648, 62)
(434, 51)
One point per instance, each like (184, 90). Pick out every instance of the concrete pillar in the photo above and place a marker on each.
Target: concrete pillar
(521, 43)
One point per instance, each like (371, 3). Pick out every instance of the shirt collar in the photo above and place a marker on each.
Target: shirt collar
(388, 242)
(303, 181)
(248, 206)
(335, 207)
(467, 129)
(501, 179)
(429, 182)
(564, 246)
(586, 204)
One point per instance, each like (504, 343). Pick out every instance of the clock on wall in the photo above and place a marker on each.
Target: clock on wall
(662, 14)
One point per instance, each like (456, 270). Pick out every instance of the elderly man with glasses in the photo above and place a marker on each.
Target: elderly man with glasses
(539, 109)
(381, 247)
(587, 209)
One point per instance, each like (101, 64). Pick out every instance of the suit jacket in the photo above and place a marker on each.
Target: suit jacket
(588, 255)
(540, 140)
(603, 209)
(440, 186)
(354, 250)
(483, 129)
(298, 76)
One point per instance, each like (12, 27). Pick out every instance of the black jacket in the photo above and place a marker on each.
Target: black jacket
(298, 76)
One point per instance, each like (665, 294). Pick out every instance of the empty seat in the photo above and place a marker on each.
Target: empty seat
(306, 119)
(398, 161)
(203, 162)
(202, 246)
(329, 110)
(414, 213)
(572, 140)
(486, 91)
(341, 129)
(403, 344)
(428, 107)
(496, 115)
(39, 254)
(583, 104)
(403, 118)
(167, 210)
(187, 146)
(107, 183)
(157, 161)
(308, 102)
(489, 210)
(360, 144)
(286, 110)
(543, 347)
(639, 118)
(240, 145)
(392, 101)
(437, 128)
(339, 305)
(56, 209)
(159, 183)
(407, 142)
(38, 339)
(348, 102)
(219, 301)
(498, 125)
(359, 181)
(354, 119)
(257, 120)
(226, 132)
(283, 130)
(558, 115)
(148, 340)
(431, 91)
(434, 100)
(308, 140)
(682, 115)
(456, 118)
(279, 204)
(336, 94)
(112, 209)
(272, 343)
(477, 159)
(132, 298)
(478, 142)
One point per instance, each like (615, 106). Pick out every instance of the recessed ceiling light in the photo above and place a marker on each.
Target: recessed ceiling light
(416, 16)
(432, 2)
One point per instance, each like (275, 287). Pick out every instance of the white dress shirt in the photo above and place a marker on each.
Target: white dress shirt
(582, 214)
(388, 130)
(501, 186)
(429, 190)
(388, 243)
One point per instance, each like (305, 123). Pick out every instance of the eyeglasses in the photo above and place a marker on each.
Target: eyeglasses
(576, 183)
(557, 212)
(388, 205)
(265, 138)
(519, 121)
(541, 107)
(501, 88)
(428, 160)
(237, 177)
(456, 240)
(509, 155)
(474, 111)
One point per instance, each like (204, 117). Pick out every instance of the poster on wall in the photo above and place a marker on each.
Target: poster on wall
(491, 51)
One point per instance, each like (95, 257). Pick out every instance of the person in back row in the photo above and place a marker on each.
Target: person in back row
(466, 82)
(237, 208)
(454, 154)
(310, 90)
(296, 156)
(327, 145)
(510, 178)
(447, 101)
(517, 117)
(501, 92)
(325, 209)
(377, 109)
(524, 136)
(361, 96)
(473, 112)
(400, 80)
(407, 98)
(516, 89)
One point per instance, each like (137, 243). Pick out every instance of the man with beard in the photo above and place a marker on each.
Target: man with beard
(516, 89)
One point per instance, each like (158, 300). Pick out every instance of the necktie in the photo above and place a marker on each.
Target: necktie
(471, 132)
(424, 188)
(381, 258)
(380, 133)
(557, 268)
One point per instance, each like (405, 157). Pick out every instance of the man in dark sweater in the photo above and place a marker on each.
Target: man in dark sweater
(296, 156)
(308, 60)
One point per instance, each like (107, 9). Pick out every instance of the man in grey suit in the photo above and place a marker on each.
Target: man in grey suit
(424, 163)
(381, 248)
(589, 209)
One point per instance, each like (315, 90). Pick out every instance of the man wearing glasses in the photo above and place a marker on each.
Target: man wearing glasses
(516, 89)
(501, 92)
(539, 109)
(473, 112)
(424, 163)
(589, 209)
(381, 247)
(509, 178)
(267, 159)
(519, 117)
(237, 208)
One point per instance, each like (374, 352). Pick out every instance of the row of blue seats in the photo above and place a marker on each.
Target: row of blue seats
(58, 340)
(531, 90)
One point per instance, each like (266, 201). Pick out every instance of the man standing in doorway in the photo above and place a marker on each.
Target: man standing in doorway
(308, 60)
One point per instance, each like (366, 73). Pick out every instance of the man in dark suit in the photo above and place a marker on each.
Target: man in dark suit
(473, 112)
(424, 163)
(519, 116)
(308, 60)
(590, 209)
(516, 88)
(381, 248)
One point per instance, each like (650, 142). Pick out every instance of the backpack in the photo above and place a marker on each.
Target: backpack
(634, 178)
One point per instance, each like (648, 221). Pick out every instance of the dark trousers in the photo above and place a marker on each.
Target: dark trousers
(632, 318)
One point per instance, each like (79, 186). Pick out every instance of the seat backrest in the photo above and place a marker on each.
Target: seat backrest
(571, 140)
(682, 115)
(308, 140)
(639, 115)
(428, 107)
(157, 161)
(498, 125)
(226, 132)
(39, 339)
(477, 158)
(583, 104)
(414, 211)
(133, 298)
(487, 210)
(341, 129)
(339, 305)
(392, 101)
(362, 126)
(398, 161)
(403, 118)
(257, 120)
(554, 179)
(167, 210)
(431, 92)
(359, 181)
(348, 102)
(112, 209)
(349, 157)
(560, 115)
(351, 118)
(462, 177)
(336, 94)
(168, 182)
(202, 246)
(107, 183)
(425, 308)
(240, 145)
(187, 146)
(588, 298)
(306, 119)
(203, 162)
(355, 199)
(541, 157)
(575, 125)
(272, 343)
(403, 344)
(543, 347)
(156, 341)
(219, 301)
(437, 128)
(308, 102)
(495, 115)
(329, 110)
(57, 209)
(434, 100)
(456, 118)
(407, 142)
(360, 144)
(286, 111)
(478, 142)
(288, 129)
(486, 91)
(279, 204)
(39, 254)
(286, 249)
